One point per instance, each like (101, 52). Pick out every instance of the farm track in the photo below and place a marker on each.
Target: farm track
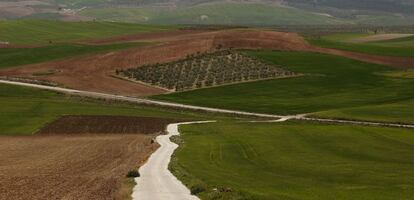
(156, 181)
(278, 118)
(95, 72)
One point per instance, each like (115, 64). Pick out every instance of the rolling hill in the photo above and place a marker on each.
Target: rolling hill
(237, 12)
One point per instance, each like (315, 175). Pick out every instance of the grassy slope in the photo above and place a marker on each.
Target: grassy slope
(221, 13)
(401, 47)
(42, 31)
(24, 110)
(330, 83)
(297, 161)
(400, 111)
(15, 57)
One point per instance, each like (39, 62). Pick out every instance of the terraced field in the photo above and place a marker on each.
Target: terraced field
(296, 161)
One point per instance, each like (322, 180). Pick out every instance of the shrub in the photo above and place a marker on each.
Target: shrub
(133, 173)
(198, 188)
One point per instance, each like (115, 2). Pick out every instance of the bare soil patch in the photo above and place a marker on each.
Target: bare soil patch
(381, 37)
(106, 125)
(61, 163)
(69, 167)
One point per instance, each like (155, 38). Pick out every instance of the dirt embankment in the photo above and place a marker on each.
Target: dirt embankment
(75, 166)
(94, 72)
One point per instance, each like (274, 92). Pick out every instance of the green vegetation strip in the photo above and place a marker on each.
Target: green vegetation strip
(10, 57)
(233, 160)
(25, 110)
(402, 47)
(44, 32)
(329, 83)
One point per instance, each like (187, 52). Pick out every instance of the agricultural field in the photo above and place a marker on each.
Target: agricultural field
(101, 124)
(398, 47)
(399, 112)
(58, 146)
(296, 160)
(12, 57)
(42, 32)
(329, 82)
(205, 70)
(80, 166)
(25, 111)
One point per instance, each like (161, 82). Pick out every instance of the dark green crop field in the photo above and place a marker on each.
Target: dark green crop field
(296, 160)
(329, 83)
(24, 110)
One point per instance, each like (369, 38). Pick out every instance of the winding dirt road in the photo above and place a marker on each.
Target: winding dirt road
(156, 181)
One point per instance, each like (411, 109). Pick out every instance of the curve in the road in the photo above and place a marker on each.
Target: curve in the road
(156, 182)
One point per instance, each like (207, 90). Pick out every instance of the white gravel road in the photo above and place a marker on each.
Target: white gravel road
(156, 181)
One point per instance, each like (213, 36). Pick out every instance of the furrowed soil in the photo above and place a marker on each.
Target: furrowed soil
(95, 72)
(106, 124)
(75, 166)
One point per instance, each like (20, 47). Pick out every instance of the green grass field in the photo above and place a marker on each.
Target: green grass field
(400, 112)
(10, 57)
(402, 47)
(330, 82)
(218, 13)
(296, 161)
(43, 31)
(25, 110)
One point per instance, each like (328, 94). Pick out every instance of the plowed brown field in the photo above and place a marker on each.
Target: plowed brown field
(106, 124)
(94, 72)
(76, 166)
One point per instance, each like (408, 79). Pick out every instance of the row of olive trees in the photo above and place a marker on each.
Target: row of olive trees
(205, 70)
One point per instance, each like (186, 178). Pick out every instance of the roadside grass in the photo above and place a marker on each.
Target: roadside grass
(402, 47)
(330, 82)
(296, 160)
(10, 57)
(44, 31)
(126, 189)
(214, 13)
(24, 110)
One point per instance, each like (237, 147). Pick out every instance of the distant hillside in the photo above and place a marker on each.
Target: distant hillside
(218, 13)
(237, 12)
